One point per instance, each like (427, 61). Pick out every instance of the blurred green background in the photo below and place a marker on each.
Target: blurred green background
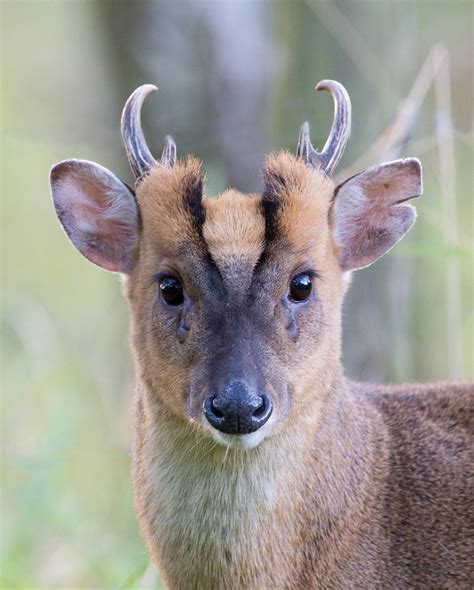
(236, 81)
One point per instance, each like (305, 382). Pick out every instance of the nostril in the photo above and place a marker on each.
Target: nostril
(257, 402)
(216, 407)
(260, 411)
(214, 416)
(263, 408)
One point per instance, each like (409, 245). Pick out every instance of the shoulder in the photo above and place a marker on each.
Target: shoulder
(430, 430)
(447, 402)
(429, 425)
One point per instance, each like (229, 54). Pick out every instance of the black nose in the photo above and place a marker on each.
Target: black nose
(238, 410)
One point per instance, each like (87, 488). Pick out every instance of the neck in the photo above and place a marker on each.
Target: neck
(197, 499)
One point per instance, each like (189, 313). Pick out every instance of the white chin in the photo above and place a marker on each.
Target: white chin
(240, 441)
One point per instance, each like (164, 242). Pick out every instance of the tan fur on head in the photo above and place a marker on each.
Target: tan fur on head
(234, 227)
(161, 195)
(306, 197)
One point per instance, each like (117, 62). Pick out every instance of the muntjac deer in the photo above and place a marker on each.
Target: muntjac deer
(257, 464)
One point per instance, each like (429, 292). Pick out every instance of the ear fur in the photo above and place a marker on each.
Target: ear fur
(370, 215)
(98, 212)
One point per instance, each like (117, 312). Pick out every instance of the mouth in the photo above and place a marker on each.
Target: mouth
(240, 441)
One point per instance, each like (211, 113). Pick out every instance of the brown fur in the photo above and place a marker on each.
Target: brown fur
(359, 487)
(351, 485)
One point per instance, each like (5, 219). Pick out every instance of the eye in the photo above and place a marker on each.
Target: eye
(171, 290)
(300, 287)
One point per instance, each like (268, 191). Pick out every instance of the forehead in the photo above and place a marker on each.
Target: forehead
(236, 230)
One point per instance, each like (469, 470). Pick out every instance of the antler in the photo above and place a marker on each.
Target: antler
(335, 145)
(138, 154)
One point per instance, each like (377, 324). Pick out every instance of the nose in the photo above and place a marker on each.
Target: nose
(238, 409)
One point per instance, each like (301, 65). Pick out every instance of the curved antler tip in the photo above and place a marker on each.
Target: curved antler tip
(329, 85)
(322, 85)
(334, 147)
(138, 153)
(148, 87)
(141, 92)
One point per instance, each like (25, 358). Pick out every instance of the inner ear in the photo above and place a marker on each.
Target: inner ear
(370, 214)
(98, 212)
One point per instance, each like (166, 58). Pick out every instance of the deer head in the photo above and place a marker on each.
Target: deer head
(236, 300)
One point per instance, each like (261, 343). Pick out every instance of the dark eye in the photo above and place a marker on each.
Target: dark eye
(172, 291)
(301, 287)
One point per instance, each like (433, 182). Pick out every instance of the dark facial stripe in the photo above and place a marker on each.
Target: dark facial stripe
(192, 197)
(193, 189)
(274, 185)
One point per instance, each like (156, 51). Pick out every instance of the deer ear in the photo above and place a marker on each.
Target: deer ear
(370, 214)
(98, 212)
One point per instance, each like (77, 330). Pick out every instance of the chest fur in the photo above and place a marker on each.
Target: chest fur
(213, 520)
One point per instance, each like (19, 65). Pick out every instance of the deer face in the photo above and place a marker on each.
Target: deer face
(232, 297)
(235, 301)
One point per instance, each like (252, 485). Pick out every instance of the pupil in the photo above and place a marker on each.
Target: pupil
(300, 287)
(172, 291)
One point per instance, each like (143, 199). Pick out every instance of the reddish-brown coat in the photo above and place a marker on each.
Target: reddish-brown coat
(352, 485)
(362, 486)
